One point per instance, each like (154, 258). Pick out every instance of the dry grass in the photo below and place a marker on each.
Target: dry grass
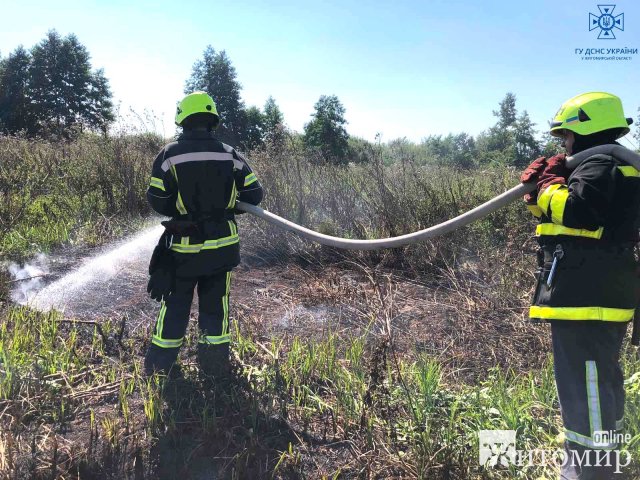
(348, 365)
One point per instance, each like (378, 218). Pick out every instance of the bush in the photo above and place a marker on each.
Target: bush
(49, 190)
(373, 200)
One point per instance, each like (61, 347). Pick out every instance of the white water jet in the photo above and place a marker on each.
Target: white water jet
(87, 287)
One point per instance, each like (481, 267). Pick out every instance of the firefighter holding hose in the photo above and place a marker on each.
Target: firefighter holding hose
(196, 181)
(587, 284)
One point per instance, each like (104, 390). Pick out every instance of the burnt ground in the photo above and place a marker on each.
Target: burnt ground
(466, 335)
(458, 322)
(457, 317)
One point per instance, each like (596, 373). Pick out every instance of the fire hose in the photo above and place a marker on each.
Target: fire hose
(618, 151)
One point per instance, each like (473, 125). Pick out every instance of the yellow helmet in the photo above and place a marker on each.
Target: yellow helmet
(196, 102)
(589, 113)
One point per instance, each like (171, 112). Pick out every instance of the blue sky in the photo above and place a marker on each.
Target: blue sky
(403, 68)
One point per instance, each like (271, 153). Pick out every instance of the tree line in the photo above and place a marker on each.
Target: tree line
(51, 90)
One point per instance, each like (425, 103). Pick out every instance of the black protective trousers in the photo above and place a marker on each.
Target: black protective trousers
(590, 383)
(173, 317)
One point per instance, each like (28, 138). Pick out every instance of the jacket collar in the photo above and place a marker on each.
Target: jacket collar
(196, 135)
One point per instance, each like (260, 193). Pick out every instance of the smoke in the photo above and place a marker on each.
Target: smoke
(28, 278)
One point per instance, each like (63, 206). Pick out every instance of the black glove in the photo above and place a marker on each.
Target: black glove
(162, 272)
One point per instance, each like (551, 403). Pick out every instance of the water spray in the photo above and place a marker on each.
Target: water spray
(71, 291)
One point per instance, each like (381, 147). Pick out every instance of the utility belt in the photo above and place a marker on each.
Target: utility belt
(195, 224)
(585, 246)
(575, 252)
(209, 232)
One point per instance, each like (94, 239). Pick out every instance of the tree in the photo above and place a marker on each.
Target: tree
(16, 113)
(254, 129)
(100, 106)
(526, 145)
(464, 150)
(326, 132)
(64, 92)
(439, 150)
(362, 151)
(507, 112)
(274, 130)
(458, 150)
(511, 141)
(215, 75)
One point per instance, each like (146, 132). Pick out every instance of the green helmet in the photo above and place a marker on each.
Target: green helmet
(196, 102)
(590, 113)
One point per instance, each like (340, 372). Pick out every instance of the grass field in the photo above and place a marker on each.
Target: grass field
(347, 365)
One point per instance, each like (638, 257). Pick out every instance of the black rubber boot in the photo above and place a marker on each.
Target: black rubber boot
(162, 361)
(214, 360)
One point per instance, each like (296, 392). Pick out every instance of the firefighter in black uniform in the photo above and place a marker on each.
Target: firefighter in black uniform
(587, 280)
(196, 180)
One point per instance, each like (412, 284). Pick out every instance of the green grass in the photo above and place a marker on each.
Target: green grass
(57, 377)
(75, 404)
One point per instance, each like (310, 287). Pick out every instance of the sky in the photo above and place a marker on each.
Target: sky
(401, 69)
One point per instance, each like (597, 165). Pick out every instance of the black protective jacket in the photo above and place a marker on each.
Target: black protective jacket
(588, 228)
(198, 178)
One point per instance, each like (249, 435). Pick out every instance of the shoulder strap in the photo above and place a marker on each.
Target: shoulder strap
(601, 156)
